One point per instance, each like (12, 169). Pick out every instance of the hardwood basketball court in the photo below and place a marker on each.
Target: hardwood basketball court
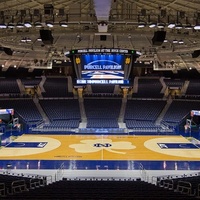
(90, 150)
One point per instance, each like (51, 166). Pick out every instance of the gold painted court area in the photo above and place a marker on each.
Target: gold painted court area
(100, 147)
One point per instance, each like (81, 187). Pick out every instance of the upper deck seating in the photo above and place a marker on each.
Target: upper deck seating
(9, 86)
(31, 81)
(56, 87)
(148, 88)
(193, 87)
(177, 83)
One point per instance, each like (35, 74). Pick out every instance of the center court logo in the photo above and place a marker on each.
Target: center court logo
(102, 145)
(91, 146)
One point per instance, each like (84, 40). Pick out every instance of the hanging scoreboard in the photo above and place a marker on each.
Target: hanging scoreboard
(102, 66)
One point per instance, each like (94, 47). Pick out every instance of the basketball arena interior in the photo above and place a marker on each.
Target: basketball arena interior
(99, 99)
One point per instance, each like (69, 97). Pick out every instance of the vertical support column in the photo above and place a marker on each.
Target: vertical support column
(125, 92)
(80, 92)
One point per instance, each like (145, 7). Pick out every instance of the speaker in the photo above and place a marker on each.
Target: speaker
(196, 53)
(46, 36)
(103, 37)
(159, 37)
(8, 51)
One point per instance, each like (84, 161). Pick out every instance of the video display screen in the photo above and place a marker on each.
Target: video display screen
(102, 66)
(6, 114)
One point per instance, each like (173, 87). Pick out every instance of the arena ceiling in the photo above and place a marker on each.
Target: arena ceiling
(86, 20)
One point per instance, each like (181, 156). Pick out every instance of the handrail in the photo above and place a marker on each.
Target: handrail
(185, 188)
(59, 173)
(18, 186)
(143, 172)
(168, 184)
(38, 181)
(155, 178)
(198, 190)
(46, 178)
(49, 179)
(2, 189)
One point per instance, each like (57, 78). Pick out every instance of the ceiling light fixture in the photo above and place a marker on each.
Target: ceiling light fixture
(188, 26)
(63, 24)
(11, 25)
(171, 25)
(152, 25)
(197, 27)
(3, 25)
(38, 24)
(141, 24)
(161, 25)
(178, 26)
(23, 39)
(28, 39)
(20, 25)
(181, 42)
(27, 24)
(171, 22)
(49, 24)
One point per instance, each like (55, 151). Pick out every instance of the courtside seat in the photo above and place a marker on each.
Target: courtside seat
(140, 124)
(102, 123)
(71, 123)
